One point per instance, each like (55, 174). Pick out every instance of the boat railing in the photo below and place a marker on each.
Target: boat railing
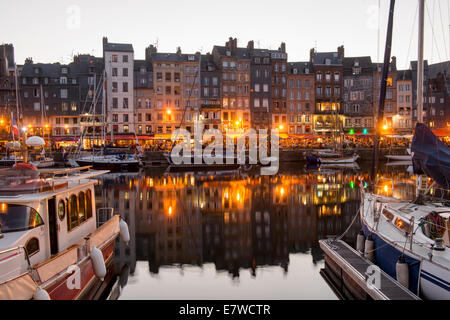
(104, 214)
(14, 261)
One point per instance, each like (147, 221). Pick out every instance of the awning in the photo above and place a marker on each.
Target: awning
(122, 137)
(303, 136)
(145, 137)
(66, 139)
(162, 136)
(441, 132)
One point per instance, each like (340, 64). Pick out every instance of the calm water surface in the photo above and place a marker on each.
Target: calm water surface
(235, 235)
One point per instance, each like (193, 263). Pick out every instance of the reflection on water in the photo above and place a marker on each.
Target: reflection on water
(234, 235)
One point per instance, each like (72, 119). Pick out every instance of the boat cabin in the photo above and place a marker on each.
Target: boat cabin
(43, 216)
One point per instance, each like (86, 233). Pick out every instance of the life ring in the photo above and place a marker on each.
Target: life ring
(23, 165)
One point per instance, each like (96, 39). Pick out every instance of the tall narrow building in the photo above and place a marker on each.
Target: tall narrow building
(119, 67)
(300, 97)
(328, 68)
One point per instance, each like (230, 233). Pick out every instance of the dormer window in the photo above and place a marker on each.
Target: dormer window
(64, 70)
(306, 70)
(356, 63)
(228, 53)
(191, 58)
(295, 71)
(327, 61)
(36, 70)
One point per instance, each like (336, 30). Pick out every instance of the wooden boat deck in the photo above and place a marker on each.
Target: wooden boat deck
(345, 271)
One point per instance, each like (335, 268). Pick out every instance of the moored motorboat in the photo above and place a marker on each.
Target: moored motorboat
(117, 162)
(339, 159)
(51, 245)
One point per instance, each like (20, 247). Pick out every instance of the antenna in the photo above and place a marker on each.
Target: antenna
(315, 45)
(259, 45)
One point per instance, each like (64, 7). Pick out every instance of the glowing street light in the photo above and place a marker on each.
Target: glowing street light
(281, 127)
(24, 129)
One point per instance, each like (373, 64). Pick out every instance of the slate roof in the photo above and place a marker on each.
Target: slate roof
(365, 63)
(301, 67)
(47, 69)
(173, 57)
(121, 47)
(319, 58)
(404, 75)
(241, 53)
(440, 67)
(138, 64)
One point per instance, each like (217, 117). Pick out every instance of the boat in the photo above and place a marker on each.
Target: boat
(339, 159)
(409, 240)
(113, 162)
(396, 157)
(348, 165)
(9, 160)
(54, 244)
(37, 250)
(105, 159)
(202, 162)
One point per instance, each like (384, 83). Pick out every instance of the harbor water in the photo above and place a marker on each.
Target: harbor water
(236, 234)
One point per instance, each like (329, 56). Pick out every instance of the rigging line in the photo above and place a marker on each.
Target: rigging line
(411, 38)
(442, 27)
(432, 40)
(432, 30)
(189, 97)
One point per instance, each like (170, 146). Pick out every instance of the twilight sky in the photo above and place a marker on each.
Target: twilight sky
(52, 31)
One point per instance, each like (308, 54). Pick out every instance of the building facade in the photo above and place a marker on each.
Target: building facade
(328, 69)
(119, 70)
(358, 116)
(390, 104)
(300, 97)
(403, 122)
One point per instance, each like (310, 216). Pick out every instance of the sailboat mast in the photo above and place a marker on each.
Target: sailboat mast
(17, 101)
(383, 85)
(93, 114)
(420, 62)
(42, 115)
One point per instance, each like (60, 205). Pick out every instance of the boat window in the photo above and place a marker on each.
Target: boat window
(402, 225)
(15, 217)
(88, 204)
(32, 246)
(73, 212)
(61, 210)
(81, 207)
(388, 214)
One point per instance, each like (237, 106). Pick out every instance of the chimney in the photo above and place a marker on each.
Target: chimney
(311, 54)
(105, 40)
(250, 45)
(29, 60)
(394, 63)
(151, 49)
(229, 44)
(179, 51)
(341, 52)
(282, 48)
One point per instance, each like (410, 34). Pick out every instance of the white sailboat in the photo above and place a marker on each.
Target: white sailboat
(113, 162)
(411, 240)
(400, 157)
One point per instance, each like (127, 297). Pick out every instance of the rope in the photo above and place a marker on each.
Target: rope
(348, 228)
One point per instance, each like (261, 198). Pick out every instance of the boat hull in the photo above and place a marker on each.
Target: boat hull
(350, 159)
(128, 166)
(59, 290)
(425, 278)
